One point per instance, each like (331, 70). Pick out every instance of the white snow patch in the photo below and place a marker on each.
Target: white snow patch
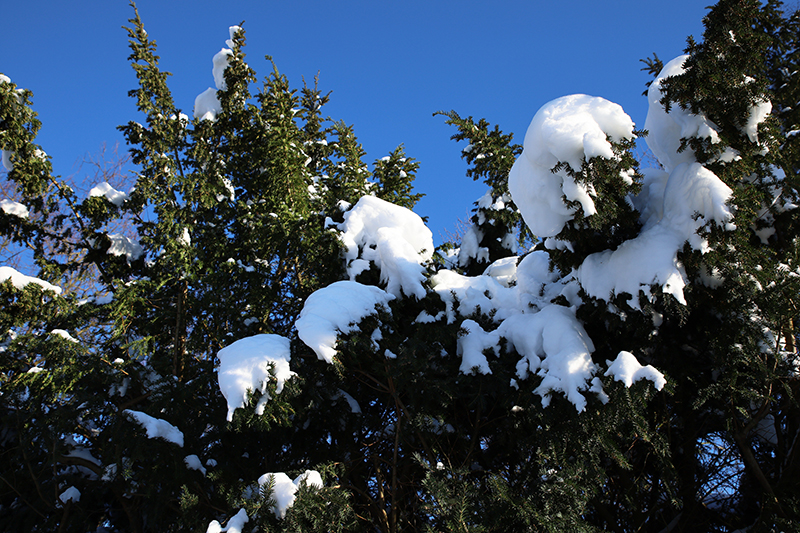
(758, 113)
(64, 335)
(693, 197)
(235, 524)
(284, 489)
(207, 105)
(70, 495)
(394, 238)
(554, 345)
(570, 129)
(20, 281)
(10, 207)
(156, 427)
(193, 462)
(122, 245)
(626, 368)
(339, 307)
(248, 365)
(111, 194)
(667, 129)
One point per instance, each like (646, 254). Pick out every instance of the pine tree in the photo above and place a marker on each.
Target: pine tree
(274, 344)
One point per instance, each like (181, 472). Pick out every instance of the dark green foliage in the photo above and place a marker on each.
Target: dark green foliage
(233, 214)
(498, 230)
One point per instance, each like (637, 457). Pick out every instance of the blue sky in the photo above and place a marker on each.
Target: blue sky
(389, 65)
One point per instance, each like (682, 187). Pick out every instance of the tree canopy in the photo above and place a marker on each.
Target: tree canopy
(256, 331)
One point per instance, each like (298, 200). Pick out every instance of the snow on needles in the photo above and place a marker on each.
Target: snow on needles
(339, 307)
(515, 295)
(568, 129)
(284, 488)
(248, 365)
(675, 205)
(207, 105)
(110, 193)
(20, 281)
(394, 238)
(156, 427)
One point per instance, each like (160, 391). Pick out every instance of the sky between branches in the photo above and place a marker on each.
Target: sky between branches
(389, 66)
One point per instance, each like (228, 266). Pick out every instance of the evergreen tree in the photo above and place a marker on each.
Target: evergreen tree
(275, 344)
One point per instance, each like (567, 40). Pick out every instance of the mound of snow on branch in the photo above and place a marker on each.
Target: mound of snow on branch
(392, 237)
(570, 129)
(20, 281)
(284, 488)
(675, 206)
(339, 307)
(156, 427)
(248, 365)
(110, 193)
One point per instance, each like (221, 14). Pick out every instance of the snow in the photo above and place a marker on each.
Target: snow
(464, 295)
(10, 207)
(339, 307)
(554, 345)
(675, 204)
(207, 105)
(392, 237)
(110, 193)
(70, 495)
(758, 113)
(64, 335)
(284, 488)
(156, 427)
(626, 368)
(221, 61)
(570, 129)
(667, 129)
(20, 281)
(249, 364)
(503, 270)
(7, 163)
(122, 245)
(235, 524)
(193, 462)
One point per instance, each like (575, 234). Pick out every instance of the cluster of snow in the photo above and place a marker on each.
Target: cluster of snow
(248, 365)
(235, 524)
(20, 281)
(284, 489)
(626, 368)
(64, 335)
(156, 427)
(394, 238)
(6, 157)
(122, 245)
(337, 308)
(10, 207)
(70, 495)
(110, 193)
(675, 204)
(569, 130)
(193, 463)
(207, 105)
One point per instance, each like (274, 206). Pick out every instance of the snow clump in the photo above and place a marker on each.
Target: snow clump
(248, 365)
(392, 237)
(156, 427)
(284, 488)
(110, 193)
(339, 307)
(570, 129)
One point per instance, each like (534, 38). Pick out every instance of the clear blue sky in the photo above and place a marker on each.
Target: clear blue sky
(389, 65)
